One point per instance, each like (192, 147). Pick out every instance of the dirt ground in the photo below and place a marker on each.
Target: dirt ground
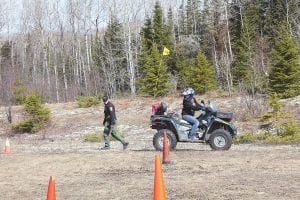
(82, 172)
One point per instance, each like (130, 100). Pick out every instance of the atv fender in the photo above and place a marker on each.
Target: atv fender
(215, 124)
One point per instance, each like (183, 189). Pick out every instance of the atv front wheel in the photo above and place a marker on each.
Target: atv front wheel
(158, 140)
(220, 139)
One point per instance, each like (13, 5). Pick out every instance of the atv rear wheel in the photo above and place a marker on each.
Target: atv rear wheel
(220, 139)
(158, 140)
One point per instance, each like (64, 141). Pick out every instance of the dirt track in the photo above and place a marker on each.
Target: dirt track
(82, 172)
(195, 172)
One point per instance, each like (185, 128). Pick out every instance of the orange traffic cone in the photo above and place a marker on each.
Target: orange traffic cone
(51, 195)
(159, 186)
(166, 149)
(7, 146)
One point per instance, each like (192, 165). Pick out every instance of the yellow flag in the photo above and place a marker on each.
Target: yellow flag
(166, 51)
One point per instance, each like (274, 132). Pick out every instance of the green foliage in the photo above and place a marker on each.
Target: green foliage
(147, 34)
(19, 93)
(275, 104)
(289, 129)
(161, 35)
(110, 57)
(154, 79)
(244, 138)
(242, 69)
(87, 101)
(36, 113)
(276, 113)
(280, 125)
(93, 137)
(192, 17)
(293, 136)
(156, 32)
(284, 78)
(97, 136)
(276, 16)
(247, 20)
(26, 126)
(199, 74)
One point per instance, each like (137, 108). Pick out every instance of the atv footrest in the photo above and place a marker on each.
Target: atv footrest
(193, 141)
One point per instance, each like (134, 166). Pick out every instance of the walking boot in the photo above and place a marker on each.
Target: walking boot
(125, 145)
(105, 148)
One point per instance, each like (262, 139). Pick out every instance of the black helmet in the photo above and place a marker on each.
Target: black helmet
(104, 98)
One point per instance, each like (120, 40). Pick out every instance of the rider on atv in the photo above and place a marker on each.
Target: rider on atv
(190, 105)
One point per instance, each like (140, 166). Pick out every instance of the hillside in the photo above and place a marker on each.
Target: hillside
(246, 171)
(70, 123)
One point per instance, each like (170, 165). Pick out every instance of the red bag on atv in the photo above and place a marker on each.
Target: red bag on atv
(159, 108)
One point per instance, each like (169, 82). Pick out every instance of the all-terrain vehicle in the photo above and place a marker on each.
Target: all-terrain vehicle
(215, 127)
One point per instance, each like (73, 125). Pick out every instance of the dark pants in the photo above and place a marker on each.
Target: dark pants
(110, 129)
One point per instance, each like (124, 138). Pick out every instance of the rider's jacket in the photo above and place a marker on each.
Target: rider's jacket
(109, 113)
(189, 107)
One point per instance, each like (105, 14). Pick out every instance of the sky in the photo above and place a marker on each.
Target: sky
(11, 11)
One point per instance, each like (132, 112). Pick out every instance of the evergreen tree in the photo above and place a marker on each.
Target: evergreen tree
(284, 78)
(6, 77)
(244, 48)
(181, 28)
(170, 26)
(199, 74)
(280, 12)
(192, 17)
(205, 40)
(236, 21)
(244, 26)
(147, 34)
(156, 32)
(162, 37)
(110, 58)
(154, 79)
(146, 43)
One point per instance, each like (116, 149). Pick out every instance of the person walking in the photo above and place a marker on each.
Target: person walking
(109, 124)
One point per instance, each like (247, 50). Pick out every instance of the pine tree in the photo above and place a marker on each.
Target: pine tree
(162, 36)
(284, 78)
(154, 79)
(110, 58)
(147, 34)
(204, 33)
(192, 17)
(244, 28)
(244, 47)
(199, 74)
(280, 12)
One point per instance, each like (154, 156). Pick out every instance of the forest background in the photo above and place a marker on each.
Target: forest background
(71, 48)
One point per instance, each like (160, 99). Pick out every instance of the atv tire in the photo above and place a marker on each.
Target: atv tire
(158, 139)
(220, 139)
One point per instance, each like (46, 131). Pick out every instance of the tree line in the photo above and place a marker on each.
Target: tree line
(239, 45)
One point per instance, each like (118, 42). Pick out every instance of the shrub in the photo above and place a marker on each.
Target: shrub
(289, 128)
(97, 136)
(291, 136)
(87, 101)
(36, 113)
(244, 138)
(19, 93)
(93, 137)
(282, 125)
